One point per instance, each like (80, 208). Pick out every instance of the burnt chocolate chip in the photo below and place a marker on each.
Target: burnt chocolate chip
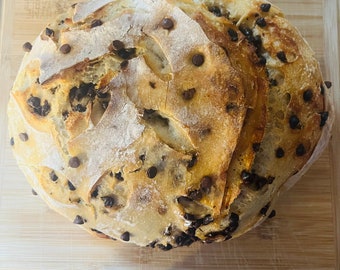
(206, 184)
(282, 56)
(34, 192)
(11, 141)
(74, 162)
(125, 236)
(272, 214)
(323, 118)
(163, 247)
(215, 10)
(65, 49)
(197, 59)
(256, 147)
(189, 94)
(294, 122)
(109, 201)
(118, 45)
(27, 46)
(233, 35)
(193, 161)
(308, 95)
(78, 220)
(23, 137)
(49, 32)
(71, 186)
(300, 150)
(79, 108)
(96, 23)
(53, 176)
(127, 53)
(195, 194)
(152, 172)
(265, 7)
(279, 153)
(261, 22)
(119, 176)
(167, 24)
(328, 84)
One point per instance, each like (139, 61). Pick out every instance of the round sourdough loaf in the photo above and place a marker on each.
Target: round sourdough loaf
(162, 123)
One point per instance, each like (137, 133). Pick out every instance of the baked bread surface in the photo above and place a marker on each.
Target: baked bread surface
(162, 123)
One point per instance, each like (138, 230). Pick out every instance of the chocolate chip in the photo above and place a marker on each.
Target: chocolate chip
(109, 201)
(184, 239)
(234, 218)
(261, 61)
(206, 184)
(256, 147)
(71, 186)
(152, 172)
(261, 22)
(168, 230)
(207, 220)
(294, 122)
(167, 24)
(34, 192)
(94, 194)
(328, 84)
(279, 153)
(79, 108)
(152, 85)
(189, 217)
(308, 95)
(74, 162)
(23, 137)
(45, 109)
(119, 176)
(65, 115)
(163, 247)
(193, 161)
(118, 45)
(282, 56)
(264, 210)
(65, 49)
(300, 150)
(245, 30)
(272, 214)
(96, 23)
(323, 118)
(265, 7)
(96, 231)
(27, 46)
(127, 53)
(198, 59)
(322, 89)
(216, 11)
(125, 236)
(195, 194)
(53, 176)
(49, 32)
(270, 180)
(34, 102)
(231, 107)
(189, 94)
(233, 34)
(273, 82)
(246, 177)
(11, 141)
(124, 64)
(79, 220)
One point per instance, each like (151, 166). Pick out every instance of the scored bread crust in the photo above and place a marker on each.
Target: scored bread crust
(167, 122)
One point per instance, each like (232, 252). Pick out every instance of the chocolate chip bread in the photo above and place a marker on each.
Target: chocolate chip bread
(162, 123)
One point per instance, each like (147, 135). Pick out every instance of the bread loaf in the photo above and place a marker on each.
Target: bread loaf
(162, 123)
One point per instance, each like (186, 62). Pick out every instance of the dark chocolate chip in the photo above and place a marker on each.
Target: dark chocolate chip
(193, 161)
(142, 157)
(53, 176)
(65, 115)
(300, 150)
(167, 24)
(197, 60)
(23, 137)
(49, 32)
(207, 220)
(168, 230)
(96, 23)
(246, 176)
(308, 95)
(256, 147)
(163, 247)
(74, 162)
(34, 102)
(71, 186)
(184, 239)
(127, 53)
(234, 217)
(265, 7)
(94, 194)
(206, 184)
(152, 172)
(79, 220)
(109, 201)
(322, 89)
(34, 192)
(328, 84)
(189, 217)
(261, 61)
(11, 141)
(118, 45)
(282, 56)
(279, 153)
(45, 109)
(152, 85)
(233, 34)
(195, 194)
(65, 49)
(189, 94)
(27, 46)
(102, 95)
(79, 108)
(264, 210)
(216, 11)
(323, 118)
(294, 122)
(272, 214)
(124, 64)
(125, 236)
(261, 22)
(119, 176)
(246, 31)
(153, 244)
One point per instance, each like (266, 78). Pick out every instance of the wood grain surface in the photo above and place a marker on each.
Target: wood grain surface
(304, 234)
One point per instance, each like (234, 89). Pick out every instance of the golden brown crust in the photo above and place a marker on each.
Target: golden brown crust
(164, 128)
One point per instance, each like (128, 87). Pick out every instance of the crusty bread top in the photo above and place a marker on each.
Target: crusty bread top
(166, 122)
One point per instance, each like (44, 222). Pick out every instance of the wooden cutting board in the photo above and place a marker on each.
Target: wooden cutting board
(304, 234)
